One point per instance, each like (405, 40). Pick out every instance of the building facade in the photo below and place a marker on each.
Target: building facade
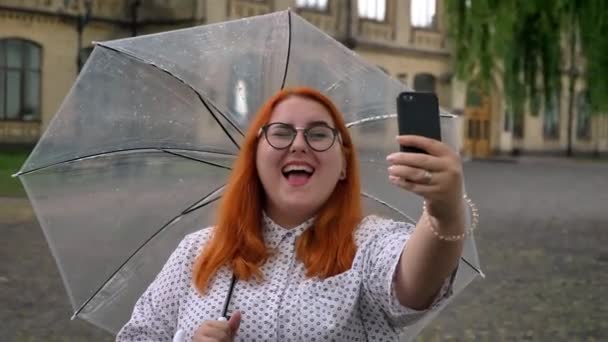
(44, 43)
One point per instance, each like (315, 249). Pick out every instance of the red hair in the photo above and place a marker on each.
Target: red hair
(326, 249)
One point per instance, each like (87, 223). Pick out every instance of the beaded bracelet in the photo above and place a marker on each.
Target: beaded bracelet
(458, 237)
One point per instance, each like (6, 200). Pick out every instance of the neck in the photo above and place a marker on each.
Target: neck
(287, 219)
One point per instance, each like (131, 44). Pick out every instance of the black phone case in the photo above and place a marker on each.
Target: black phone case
(418, 114)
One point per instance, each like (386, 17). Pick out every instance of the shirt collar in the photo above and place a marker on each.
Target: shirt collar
(274, 234)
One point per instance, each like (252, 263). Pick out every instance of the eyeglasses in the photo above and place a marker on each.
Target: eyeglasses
(319, 137)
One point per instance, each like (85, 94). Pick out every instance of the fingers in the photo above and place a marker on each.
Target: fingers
(218, 330)
(431, 146)
(235, 322)
(411, 174)
(417, 160)
(419, 189)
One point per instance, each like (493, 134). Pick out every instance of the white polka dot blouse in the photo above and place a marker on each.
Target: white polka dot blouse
(357, 305)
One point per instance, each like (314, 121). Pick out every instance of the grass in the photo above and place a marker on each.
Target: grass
(10, 163)
(601, 158)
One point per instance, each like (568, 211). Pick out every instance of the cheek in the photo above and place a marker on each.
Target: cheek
(267, 159)
(333, 163)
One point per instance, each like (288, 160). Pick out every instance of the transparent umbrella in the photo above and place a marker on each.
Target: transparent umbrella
(141, 147)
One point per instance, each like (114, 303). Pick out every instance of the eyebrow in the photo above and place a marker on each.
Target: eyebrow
(312, 123)
(319, 122)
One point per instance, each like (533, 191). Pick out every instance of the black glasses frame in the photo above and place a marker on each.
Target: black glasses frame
(305, 130)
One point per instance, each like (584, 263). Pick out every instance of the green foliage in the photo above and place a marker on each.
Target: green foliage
(527, 41)
(10, 162)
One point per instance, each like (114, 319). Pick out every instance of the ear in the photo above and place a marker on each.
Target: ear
(343, 172)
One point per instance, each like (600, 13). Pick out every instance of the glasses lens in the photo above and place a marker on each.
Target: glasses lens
(280, 135)
(320, 137)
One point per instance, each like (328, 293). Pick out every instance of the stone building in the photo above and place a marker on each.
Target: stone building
(44, 43)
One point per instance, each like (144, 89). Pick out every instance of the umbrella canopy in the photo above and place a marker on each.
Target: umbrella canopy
(143, 144)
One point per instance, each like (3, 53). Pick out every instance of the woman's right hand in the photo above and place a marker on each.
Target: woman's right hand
(218, 331)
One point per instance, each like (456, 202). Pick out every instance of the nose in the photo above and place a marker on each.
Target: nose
(299, 143)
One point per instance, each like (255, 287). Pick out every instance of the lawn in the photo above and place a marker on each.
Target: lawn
(10, 162)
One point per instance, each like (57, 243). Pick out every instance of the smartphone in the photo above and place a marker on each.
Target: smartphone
(418, 114)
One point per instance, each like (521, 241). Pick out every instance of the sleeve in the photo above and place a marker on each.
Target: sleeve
(381, 257)
(154, 316)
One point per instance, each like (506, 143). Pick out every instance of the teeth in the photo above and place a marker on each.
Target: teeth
(304, 168)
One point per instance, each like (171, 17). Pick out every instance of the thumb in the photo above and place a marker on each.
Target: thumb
(235, 322)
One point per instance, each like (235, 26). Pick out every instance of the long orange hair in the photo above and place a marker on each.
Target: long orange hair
(326, 249)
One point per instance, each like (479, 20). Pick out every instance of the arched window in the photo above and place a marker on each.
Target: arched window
(424, 82)
(20, 64)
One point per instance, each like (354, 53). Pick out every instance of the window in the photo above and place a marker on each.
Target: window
(320, 5)
(422, 13)
(424, 82)
(372, 9)
(20, 62)
(583, 116)
(551, 120)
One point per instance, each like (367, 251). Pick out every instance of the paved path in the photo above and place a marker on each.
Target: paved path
(542, 242)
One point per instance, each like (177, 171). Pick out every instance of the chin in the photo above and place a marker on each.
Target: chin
(299, 205)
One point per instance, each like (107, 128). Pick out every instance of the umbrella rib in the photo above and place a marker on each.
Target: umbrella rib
(162, 149)
(288, 49)
(388, 116)
(364, 194)
(195, 159)
(370, 119)
(218, 120)
(144, 244)
(219, 111)
(203, 201)
(198, 94)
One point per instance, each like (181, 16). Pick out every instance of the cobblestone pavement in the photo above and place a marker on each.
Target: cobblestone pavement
(542, 243)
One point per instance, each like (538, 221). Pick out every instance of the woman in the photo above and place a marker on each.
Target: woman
(290, 229)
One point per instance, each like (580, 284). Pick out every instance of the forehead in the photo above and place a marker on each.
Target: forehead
(300, 111)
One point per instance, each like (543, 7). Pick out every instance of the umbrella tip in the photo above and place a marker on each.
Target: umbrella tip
(15, 175)
(483, 275)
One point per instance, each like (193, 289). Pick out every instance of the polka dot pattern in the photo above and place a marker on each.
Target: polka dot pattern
(357, 305)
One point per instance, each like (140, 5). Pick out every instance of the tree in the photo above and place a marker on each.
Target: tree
(531, 43)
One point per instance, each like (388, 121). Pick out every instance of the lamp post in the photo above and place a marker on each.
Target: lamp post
(135, 4)
(82, 20)
(350, 41)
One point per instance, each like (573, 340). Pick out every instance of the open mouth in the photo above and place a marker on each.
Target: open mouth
(297, 175)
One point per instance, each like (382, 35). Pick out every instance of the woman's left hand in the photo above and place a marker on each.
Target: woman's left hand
(436, 176)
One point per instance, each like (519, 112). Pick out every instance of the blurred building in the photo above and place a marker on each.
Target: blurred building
(44, 43)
